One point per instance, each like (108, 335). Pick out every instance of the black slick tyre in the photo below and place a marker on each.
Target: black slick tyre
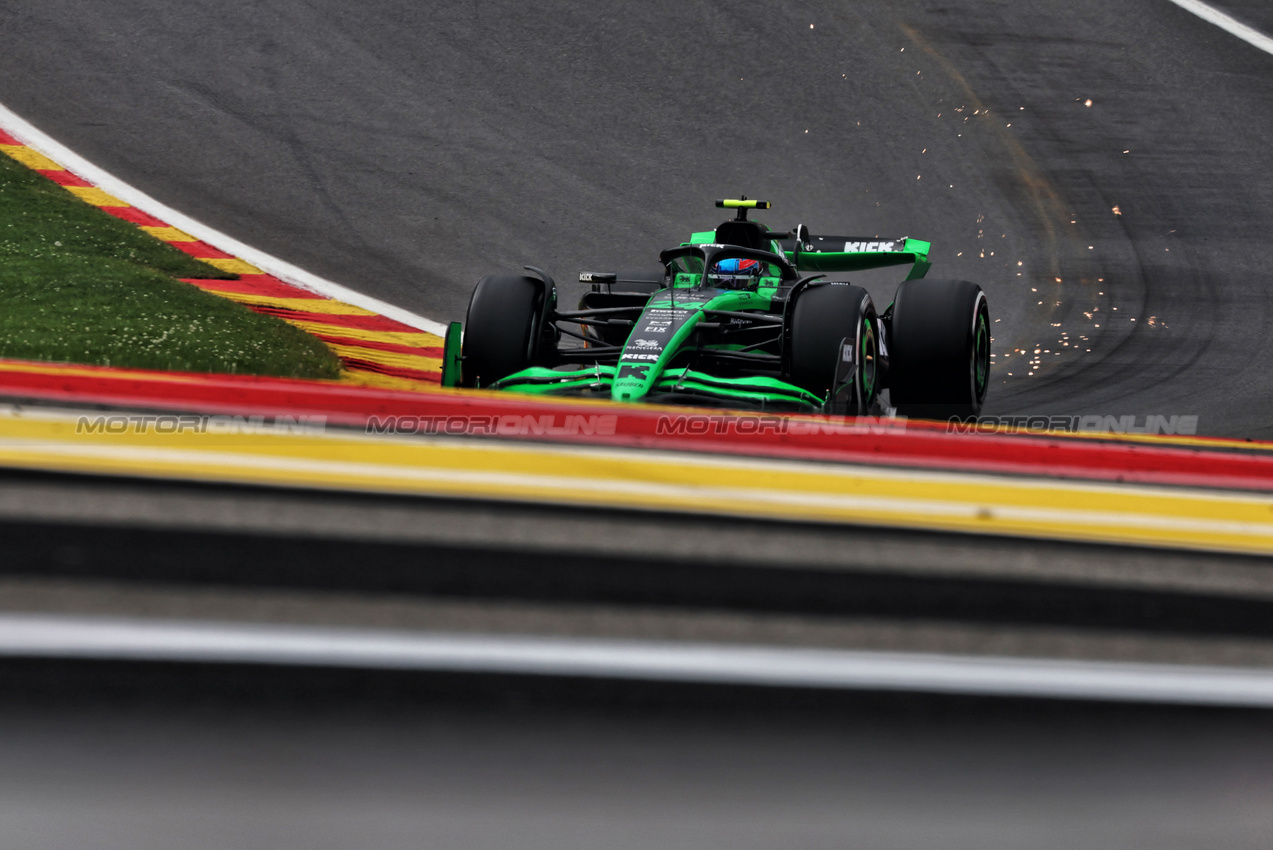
(824, 316)
(501, 331)
(939, 349)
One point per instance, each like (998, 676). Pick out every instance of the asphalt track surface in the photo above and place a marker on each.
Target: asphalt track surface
(406, 150)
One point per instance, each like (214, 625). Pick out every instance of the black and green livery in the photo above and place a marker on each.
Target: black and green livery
(739, 316)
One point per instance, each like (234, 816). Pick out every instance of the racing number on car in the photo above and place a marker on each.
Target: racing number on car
(638, 372)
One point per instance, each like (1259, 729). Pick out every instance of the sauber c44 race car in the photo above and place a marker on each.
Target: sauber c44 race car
(739, 316)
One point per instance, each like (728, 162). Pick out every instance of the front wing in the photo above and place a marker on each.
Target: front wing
(674, 385)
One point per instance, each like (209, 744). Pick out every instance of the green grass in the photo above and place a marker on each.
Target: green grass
(79, 286)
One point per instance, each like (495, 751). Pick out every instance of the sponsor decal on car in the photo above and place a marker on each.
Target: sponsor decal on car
(633, 355)
(665, 312)
(647, 343)
(868, 247)
(691, 297)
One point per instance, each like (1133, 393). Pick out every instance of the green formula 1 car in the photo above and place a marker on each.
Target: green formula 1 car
(739, 316)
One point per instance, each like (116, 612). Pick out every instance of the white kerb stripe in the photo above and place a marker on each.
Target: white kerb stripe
(1227, 23)
(29, 135)
(55, 636)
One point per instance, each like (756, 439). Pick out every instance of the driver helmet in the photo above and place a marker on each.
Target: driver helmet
(735, 274)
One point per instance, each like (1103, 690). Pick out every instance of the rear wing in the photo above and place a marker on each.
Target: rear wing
(856, 253)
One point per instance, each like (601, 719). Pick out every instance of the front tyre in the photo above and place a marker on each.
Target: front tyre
(939, 363)
(501, 331)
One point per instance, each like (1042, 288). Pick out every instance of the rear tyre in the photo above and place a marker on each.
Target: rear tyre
(939, 363)
(824, 316)
(501, 331)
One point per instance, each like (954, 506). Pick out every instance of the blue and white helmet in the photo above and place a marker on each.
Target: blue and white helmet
(735, 273)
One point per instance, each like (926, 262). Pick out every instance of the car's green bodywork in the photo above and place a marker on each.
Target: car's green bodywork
(687, 304)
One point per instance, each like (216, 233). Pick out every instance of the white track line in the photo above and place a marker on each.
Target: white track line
(1229, 24)
(29, 135)
(45, 636)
